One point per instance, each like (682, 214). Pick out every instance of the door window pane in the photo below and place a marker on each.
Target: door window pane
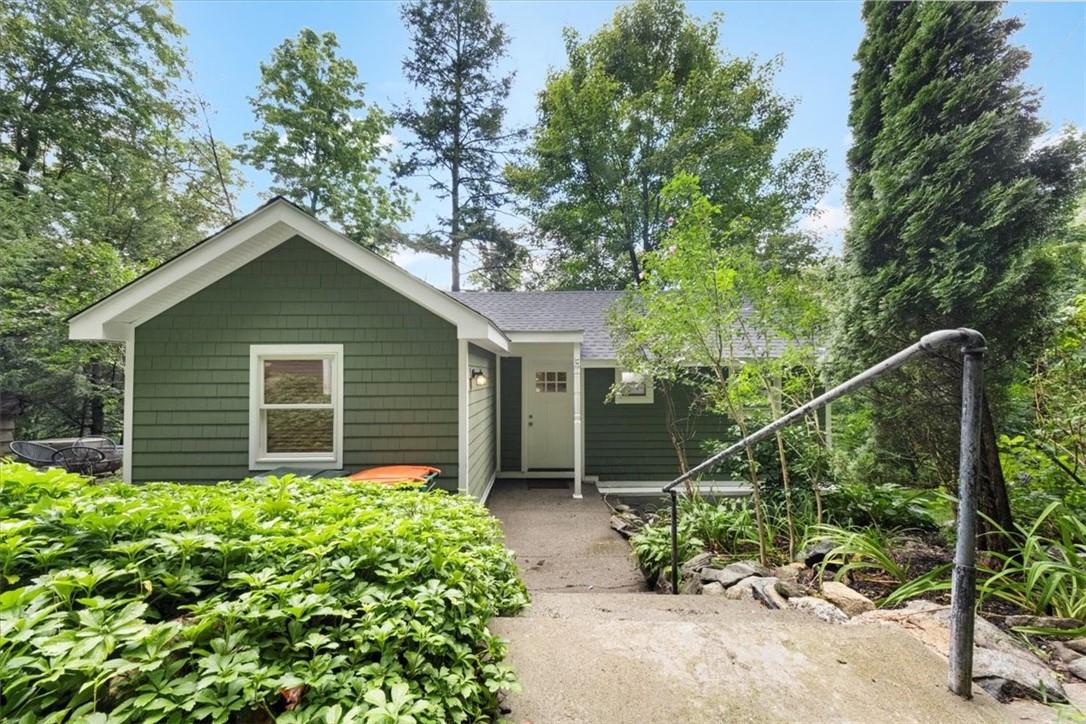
(550, 381)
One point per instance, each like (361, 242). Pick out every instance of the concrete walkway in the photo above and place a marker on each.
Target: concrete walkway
(562, 544)
(612, 655)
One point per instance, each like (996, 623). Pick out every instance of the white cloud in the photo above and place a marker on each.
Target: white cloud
(826, 219)
(388, 141)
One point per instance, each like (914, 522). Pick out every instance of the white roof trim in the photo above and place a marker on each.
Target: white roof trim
(545, 337)
(246, 240)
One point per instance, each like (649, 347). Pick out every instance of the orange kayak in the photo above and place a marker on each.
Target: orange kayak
(397, 474)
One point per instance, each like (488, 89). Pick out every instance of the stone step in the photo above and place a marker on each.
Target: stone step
(614, 657)
(643, 606)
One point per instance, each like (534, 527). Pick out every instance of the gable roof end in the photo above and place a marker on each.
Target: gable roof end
(245, 240)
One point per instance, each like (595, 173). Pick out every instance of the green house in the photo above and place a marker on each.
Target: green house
(278, 342)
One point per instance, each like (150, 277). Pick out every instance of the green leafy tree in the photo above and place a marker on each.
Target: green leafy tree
(951, 199)
(645, 97)
(459, 141)
(325, 146)
(709, 313)
(103, 171)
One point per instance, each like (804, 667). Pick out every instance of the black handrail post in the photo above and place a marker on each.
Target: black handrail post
(964, 583)
(674, 542)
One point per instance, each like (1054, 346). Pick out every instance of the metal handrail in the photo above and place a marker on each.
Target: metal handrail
(963, 592)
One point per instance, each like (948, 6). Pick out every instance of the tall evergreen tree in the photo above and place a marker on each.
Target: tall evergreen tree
(459, 140)
(325, 146)
(951, 199)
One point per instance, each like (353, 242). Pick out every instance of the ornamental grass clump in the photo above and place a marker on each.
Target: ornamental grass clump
(286, 599)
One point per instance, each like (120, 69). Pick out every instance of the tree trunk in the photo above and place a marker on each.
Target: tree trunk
(992, 499)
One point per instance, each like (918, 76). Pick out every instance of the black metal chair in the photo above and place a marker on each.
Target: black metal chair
(110, 450)
(34, 453)
(77, 459)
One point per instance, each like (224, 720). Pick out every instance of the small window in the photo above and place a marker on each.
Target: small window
(295, 406)
(550, 381)
(632, 387)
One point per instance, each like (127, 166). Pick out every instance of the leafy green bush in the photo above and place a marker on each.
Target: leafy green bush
(725, 526)
(288, 598)
(1044, 575)
(888, 506)
(866, 549)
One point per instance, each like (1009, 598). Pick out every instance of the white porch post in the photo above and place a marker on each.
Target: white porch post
(129, 398)
(497, 414)
(578, 459)
(463, 385)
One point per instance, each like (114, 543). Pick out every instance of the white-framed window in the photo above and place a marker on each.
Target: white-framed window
(295, 405)
(632, 388)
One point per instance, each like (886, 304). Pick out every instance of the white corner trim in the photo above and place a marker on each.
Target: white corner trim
(260, 460)
(489, 487)
(129, 399)
(497, 413)
(578, 422)
(463, 416)
(245, 240)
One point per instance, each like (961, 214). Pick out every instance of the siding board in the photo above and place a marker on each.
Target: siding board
(630, 442)
(481, 423)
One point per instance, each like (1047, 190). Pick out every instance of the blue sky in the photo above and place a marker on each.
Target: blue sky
(815, 40)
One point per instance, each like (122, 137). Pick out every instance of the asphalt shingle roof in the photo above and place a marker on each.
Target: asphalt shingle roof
(550, 312)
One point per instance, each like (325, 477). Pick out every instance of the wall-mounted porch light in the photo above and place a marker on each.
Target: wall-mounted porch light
(478, 377)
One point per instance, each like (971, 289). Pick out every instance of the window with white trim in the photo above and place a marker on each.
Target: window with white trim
(632, 388)
(295, 405)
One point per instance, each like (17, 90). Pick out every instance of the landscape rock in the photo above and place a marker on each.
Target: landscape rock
(712, 588)
(690, 586)
(1062, 652)
(765, 592)
(1057, 622)
(744, 590)
(1078, 645)
(626, 524)
(622, 508)
(791, 589)
(1000, 665)
(695, 564)
(815, 553)
(1078, 668)
(732, 574)
(849, 601)
(790, 573)
(820, 608)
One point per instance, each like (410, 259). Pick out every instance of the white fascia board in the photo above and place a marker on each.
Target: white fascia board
(568, 336)
(166, 285)
(247, 239)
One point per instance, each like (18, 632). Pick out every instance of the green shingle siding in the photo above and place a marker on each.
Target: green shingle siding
(630, 442)
(481, 423)
(191, 382)
(510, 405)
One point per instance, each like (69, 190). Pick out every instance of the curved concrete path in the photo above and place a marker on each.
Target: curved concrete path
(562, 544)
(609, 655)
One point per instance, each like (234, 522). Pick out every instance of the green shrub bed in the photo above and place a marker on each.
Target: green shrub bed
(287, 599)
